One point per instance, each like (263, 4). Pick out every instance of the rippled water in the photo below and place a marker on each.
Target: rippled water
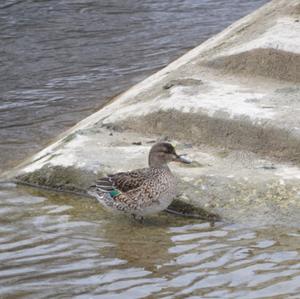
(61, 60)
(52, 246)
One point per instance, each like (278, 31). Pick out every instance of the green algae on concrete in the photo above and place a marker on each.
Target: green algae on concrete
(59, 178)
(76, 181)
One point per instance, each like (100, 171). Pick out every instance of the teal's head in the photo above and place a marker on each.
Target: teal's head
(162, 153)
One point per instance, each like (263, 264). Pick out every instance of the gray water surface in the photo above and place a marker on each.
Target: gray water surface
(54, 246)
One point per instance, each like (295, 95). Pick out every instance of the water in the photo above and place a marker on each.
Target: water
(53, 246)
(60, 61)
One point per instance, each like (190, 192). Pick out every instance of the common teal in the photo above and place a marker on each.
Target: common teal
(143, 191)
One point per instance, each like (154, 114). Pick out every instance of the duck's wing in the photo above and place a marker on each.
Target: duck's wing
(123, 181)
(137, 199)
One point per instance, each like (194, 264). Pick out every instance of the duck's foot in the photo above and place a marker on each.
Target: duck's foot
(138, 218)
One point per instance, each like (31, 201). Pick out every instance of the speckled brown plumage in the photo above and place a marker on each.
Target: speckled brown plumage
(143, 191)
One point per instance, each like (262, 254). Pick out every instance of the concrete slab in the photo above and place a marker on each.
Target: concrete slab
(232, 103)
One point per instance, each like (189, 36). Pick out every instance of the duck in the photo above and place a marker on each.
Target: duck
(141, 192)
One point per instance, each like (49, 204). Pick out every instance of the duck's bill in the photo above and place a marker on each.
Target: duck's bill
(183, 159)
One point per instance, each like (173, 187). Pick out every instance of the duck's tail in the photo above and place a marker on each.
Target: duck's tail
(103, 197)
(104, 191)
(104, 185)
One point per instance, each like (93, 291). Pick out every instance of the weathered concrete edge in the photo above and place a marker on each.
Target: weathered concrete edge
(75, 181)
(218, 189)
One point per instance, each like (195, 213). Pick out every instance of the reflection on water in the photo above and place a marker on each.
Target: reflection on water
(62, 59)
(53, 246)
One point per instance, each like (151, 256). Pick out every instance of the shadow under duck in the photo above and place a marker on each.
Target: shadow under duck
(142, 191)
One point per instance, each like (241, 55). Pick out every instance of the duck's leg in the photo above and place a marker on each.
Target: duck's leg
(138, 218)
